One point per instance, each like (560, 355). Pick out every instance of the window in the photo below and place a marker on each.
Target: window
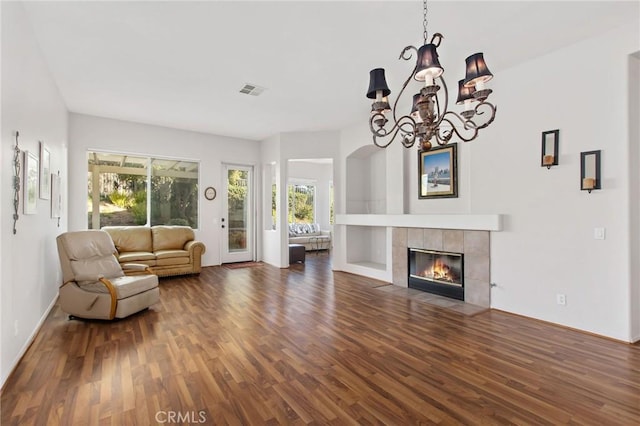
(301, 200)
(136, 190)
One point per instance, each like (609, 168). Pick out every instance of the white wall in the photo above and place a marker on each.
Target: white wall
(548, 247)
(634, 190)
(29, 267)
(272, 243)
(95, 133)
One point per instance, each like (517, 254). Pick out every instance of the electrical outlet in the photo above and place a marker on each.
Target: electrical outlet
(15, 328)
(561, 299)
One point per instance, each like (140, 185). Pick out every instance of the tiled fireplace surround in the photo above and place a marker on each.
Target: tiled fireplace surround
(473, 244)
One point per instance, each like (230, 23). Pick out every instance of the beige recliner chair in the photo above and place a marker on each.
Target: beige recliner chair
(94, 284)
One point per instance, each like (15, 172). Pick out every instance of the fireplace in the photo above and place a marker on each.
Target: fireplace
(437, 272)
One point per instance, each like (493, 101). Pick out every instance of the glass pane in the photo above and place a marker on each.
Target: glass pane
(274, 204)
(174, 192)
(332, 213)
(117, 190)
(237, 205)
(301, 199)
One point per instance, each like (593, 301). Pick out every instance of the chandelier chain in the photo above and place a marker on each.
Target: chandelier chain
(424, 20)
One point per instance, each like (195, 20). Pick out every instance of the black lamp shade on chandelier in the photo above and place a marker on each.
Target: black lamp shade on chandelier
(428, 65)
(430, 120)
(377, 82)
(477, 71)
(464, 93)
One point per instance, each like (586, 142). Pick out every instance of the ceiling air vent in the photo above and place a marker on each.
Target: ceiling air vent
(252, 89)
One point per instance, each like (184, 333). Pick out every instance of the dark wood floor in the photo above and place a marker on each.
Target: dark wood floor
(262, 345)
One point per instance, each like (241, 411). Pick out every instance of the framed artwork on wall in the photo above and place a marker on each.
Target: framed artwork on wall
(45, 171)
(438, 172)
(30, 194)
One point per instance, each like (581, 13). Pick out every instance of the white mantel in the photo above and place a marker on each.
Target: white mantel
(475, 222)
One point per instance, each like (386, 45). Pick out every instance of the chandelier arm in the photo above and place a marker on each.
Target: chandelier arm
(403, 54)
(448, 133)
(408, 135)
(492, 109)
(404, 86)
(441, 114)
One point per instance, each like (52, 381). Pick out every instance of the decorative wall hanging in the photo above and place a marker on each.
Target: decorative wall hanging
(56, 197)
(590, 171)
(16, 183)
(550, 140)
(438, 172)
(45, 171)
(31, 171)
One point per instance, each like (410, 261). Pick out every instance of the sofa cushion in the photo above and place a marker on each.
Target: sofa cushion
(171, 254)
(299, 240)
(141, 262)
(173, 261)
(171, 237)
(130, 238)
(134, 256)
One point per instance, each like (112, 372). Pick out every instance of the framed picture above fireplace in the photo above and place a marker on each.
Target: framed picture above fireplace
(438, 172)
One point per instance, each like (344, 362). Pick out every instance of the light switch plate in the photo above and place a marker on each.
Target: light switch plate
(598, 233)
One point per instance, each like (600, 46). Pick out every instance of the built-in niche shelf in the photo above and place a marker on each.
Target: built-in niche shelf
(366, 181)
(366, 250)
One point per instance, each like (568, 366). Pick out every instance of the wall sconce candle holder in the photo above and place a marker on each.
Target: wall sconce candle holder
(16, 182)
(550, 140)
(590, 171)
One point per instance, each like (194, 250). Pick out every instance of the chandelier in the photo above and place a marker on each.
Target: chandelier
(430, 119)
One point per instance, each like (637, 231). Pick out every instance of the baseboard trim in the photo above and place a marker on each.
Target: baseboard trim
(29, 342)
(566, 327)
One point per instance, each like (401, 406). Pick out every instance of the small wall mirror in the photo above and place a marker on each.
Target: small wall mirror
(550, 140)
(590, 170)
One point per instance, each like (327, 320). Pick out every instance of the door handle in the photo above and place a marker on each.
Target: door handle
(223, 226)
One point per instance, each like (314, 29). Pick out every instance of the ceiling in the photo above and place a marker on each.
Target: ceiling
(182, 64)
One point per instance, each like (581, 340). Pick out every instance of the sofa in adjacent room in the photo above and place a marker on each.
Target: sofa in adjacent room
(310, 236)
(167, 250)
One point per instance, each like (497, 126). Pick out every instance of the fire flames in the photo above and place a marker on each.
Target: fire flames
(439, 270)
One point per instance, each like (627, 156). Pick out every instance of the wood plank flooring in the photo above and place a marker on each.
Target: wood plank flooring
(264, 346)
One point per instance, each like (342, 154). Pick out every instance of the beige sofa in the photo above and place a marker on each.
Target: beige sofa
(167, 250)
(310, 236)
